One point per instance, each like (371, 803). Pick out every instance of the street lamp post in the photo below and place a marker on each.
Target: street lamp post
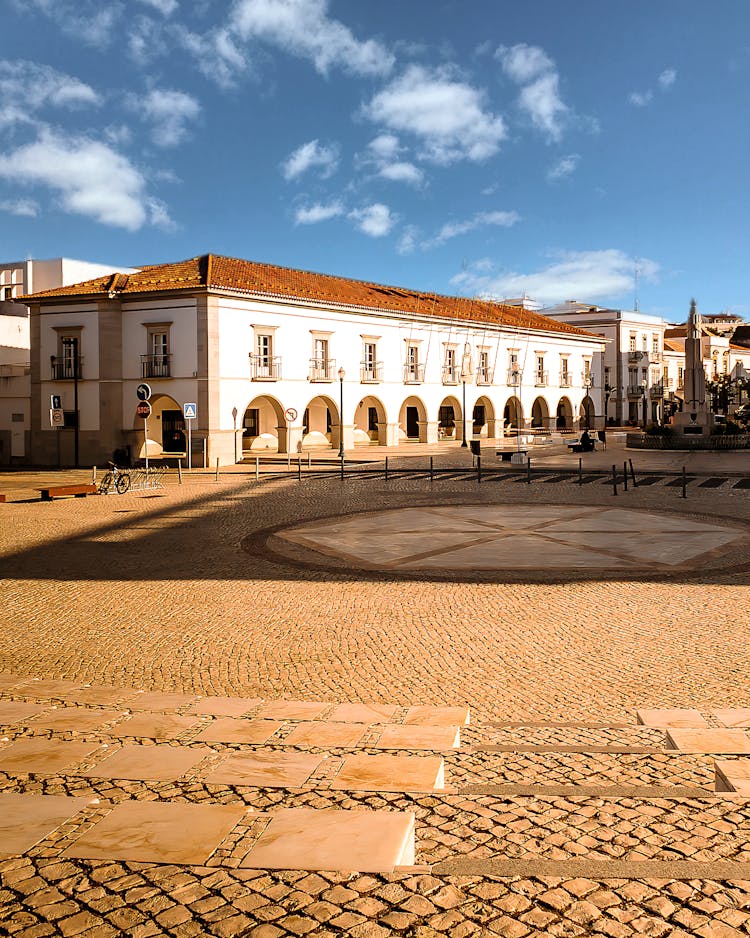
(342, 375)
(463, 410)
(607, 395)
(644, 385)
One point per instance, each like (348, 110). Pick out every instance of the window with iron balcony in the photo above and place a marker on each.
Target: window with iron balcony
(322, 369)
(64, 364)
(413, 371)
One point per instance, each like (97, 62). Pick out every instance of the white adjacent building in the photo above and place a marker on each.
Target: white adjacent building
(268, 355)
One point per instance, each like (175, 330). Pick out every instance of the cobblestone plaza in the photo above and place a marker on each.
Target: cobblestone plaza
(555, 793)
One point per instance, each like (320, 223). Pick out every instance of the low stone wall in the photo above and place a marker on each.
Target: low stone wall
(681, 442)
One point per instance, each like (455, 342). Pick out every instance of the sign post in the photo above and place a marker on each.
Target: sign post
(144, 410)
(190, 412)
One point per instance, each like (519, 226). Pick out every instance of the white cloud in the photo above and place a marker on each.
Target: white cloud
(446, 113)
(480, 220)
(303, 28)
(90, 178)
(170, 111)
(402, 172)
(564, 167)
(26, 208)
(384, 146)
(584, 275)
(166, 7)
(318, 212)
(308, 156)
(28, 87)
(375, 220)
(409, 240)
(667, 78)
(89, 21)
(532, 69)
(216, 53)
(640, 98)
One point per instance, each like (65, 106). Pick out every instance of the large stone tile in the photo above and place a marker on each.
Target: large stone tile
(362, 713)
(48, 690)
(391, 773)
(150, 725)
(33, 755)
(292, 710)
(737, 717)
(149, 763)
(100, 695)
(75, 719)
(664, 718)
(150, 832)
(265, 769)
(224, 706)
(325, 734)
(308, 839)
(27, 819)
(8, 680)
(435, 738)
(437, 716)
(514, 551)
(733, 775)
(230, 730)
(155, 700)
(730, 742)
(13, 711)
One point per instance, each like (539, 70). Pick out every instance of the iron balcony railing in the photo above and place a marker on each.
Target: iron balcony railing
(636, 390)
(322, 369)
(450, 374)
(485, 376)
(370, 372)
(265, 368)
(657, 391)
(155, 366)
(565, 380)
(413, 373)
(634, 356)
(541, 379)
(63, 369)
(513, 378)
(587, 379)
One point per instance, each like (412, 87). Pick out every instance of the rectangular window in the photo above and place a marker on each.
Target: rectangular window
(159, 347)
(655, 344)
(606, 375)
(372, 419)
(644, 342)
(631, 342)
(264, 348)
(539, 371)
(321, 351)
(370, 355)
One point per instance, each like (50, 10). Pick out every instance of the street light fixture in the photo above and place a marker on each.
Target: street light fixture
(607, 394)
(342, 375)
(466, 372)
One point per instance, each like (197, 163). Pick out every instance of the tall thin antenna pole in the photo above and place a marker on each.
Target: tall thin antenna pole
(636, 274)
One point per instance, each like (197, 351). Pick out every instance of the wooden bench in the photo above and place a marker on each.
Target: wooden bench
(60, 491)
(575, 446)
(505, 454)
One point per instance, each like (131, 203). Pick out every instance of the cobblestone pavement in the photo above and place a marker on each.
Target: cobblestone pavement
(169, 591)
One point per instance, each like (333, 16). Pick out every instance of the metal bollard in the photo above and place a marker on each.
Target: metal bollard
(342, 468)
(431, 476)
(528, 470)
(479, 468)
(299, 468)
(625, 476)
(632, 474)
(386, 468)
(216, 477)
(580, 471)
(309, 459)
(614, 480)
(257, 468)
(684, 483)
(179, 472)
(93, 475)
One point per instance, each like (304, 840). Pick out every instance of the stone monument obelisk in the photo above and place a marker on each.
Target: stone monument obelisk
(695, 419)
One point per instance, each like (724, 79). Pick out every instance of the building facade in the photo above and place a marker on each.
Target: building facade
(272, 357)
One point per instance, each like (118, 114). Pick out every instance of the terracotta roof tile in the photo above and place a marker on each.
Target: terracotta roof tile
(217, 273)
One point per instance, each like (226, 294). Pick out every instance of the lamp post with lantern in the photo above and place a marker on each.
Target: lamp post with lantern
(342, 375)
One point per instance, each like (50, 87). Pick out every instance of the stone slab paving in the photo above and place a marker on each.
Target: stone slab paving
(27, 819)
(537, 648)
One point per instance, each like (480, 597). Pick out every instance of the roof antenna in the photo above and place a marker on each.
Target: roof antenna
(636, 275)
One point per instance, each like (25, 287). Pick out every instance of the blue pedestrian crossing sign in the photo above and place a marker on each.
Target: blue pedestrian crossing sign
(190, 411)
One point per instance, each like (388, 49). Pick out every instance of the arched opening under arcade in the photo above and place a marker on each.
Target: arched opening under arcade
(449, 419)
(412, 420)
(167, 430)
(264, 425)
(539, 414)
(483, 418)
(564, 416)
(320, 423)
(512, 415)
(370, 422)
(586, 413)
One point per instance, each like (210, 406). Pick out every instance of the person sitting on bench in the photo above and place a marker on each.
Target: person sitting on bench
(587, 443)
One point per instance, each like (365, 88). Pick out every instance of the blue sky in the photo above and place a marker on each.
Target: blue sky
(463, 146)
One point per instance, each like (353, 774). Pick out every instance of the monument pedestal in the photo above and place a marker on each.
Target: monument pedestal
(695, 423)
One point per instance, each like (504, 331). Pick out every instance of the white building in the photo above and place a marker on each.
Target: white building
(268, 354)
(18, 278)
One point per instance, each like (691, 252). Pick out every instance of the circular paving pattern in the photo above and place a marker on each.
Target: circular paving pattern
(466, 539)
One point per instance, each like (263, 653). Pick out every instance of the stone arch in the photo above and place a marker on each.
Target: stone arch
(513, 414)
(449, 420)
(586, 413)
(539, 414)
(412, 420)
(370, 422)
(483, 417)
(320, 423)
(564, 414)
(167, 430)
(264, 425)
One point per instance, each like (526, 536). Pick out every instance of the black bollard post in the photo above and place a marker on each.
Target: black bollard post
(342, 468)
(580, 471)
(299, 468)
(386, 468)
(528, 470)
(479, 468)
(614, 480)
(684, 483)
(625, 476)
(431, 476)
(632, 474)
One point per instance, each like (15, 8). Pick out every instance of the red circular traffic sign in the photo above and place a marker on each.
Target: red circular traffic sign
(143, 409)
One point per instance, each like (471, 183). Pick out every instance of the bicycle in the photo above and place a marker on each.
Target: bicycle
(116, 478)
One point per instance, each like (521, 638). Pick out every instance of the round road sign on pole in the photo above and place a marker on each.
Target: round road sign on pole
(291, 414)
(143, 392)
(143, 410)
